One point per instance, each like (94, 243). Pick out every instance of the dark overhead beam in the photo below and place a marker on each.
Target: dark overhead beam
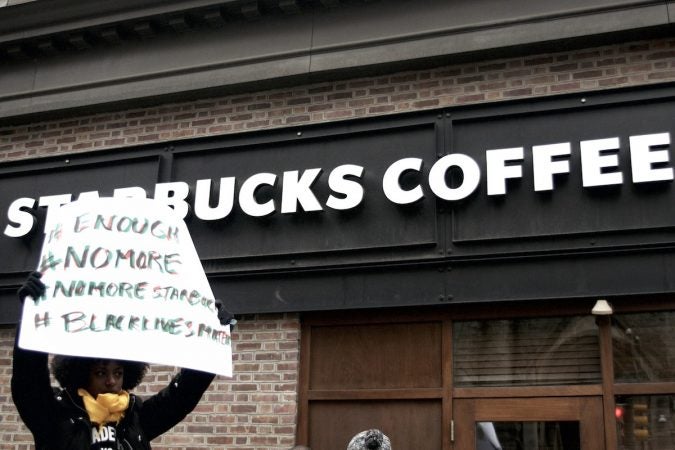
(17, 51)
(40, 18)
(250, 10)
(283, 49)
(289, 6)
(47, 48)
(330, 3)
(214, 18)
(144, 30)
(110, 35)
(178, 24)
(79, 41)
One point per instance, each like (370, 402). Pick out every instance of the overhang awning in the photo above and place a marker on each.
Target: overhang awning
(60, 55)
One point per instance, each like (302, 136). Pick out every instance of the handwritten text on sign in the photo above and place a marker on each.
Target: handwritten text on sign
(124, 281)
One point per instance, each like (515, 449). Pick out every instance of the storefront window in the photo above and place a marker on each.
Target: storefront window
(644, 347)
(549, 351)
(645, 422)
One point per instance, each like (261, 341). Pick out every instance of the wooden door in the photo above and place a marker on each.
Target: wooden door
(554, 423)
(385, 376)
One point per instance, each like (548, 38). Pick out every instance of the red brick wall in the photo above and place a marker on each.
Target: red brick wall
(257, 408)
(607, 67)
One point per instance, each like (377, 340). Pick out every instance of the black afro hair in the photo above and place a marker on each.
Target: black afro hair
(72, 372)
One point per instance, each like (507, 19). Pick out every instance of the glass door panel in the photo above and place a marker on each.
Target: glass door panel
(558, 423)
(528, 435)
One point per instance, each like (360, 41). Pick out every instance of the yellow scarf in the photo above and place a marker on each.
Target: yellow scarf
(105, 407)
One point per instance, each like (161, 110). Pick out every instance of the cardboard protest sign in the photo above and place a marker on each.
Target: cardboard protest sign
(124, 281)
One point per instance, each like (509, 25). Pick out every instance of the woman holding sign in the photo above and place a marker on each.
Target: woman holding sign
(93, 409)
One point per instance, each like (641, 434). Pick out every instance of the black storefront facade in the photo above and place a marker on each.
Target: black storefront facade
(445, 267)
(451, 280)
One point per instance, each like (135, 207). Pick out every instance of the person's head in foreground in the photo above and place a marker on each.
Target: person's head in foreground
(370, 440)
(97, 376)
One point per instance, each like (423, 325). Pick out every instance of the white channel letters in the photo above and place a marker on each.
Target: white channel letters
(649, 161)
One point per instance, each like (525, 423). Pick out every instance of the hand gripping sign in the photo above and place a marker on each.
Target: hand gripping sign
(124, 281)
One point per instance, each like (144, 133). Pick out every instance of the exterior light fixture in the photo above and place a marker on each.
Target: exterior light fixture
(602, 308)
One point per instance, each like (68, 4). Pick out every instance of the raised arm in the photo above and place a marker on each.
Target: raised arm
(170, 405)
(31, 388)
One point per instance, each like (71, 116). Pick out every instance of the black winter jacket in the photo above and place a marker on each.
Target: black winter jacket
(58, 420)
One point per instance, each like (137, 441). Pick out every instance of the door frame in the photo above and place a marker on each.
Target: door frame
(588, 411)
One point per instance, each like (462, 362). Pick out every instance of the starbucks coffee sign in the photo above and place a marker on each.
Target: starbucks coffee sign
(453, 177)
